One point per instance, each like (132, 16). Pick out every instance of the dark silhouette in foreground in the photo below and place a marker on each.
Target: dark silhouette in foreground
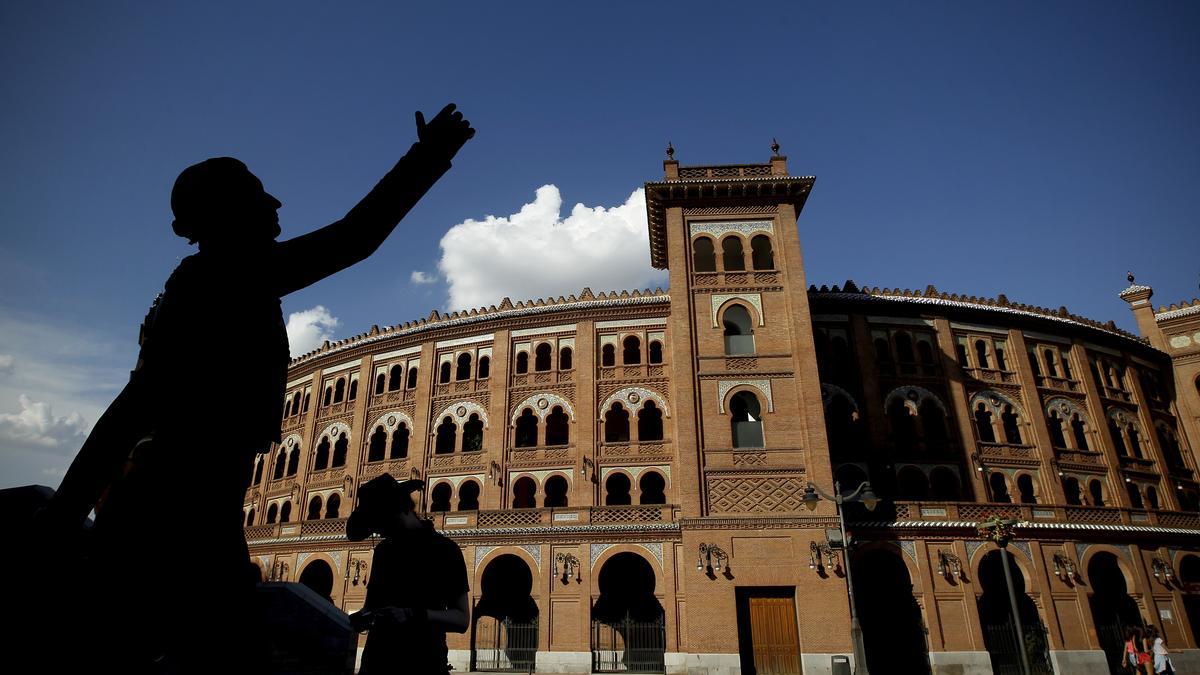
(163, 584)
(418, 586)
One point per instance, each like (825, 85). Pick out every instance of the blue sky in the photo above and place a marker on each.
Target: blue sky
(1022, 148)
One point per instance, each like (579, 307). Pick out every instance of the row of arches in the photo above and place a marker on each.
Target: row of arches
(631, 352)
(462, 369)
(543, 359)
(296, 403)
(733, 256)
(394, 379)
(336, 391)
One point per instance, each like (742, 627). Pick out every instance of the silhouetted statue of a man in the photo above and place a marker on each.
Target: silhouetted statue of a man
(170, 560)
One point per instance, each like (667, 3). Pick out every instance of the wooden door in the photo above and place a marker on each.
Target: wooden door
(773, 644)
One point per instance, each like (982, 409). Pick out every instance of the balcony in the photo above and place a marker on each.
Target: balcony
(333, 409)
(1057, 383)
(655, 449)
(1084, 457)
(293, 422)
(934, 512)
(992, 375)
(394, 397)
(459, 388)
(454, 461)
(641, 371)
(1000, 452)
(735, 279)
(537, 456)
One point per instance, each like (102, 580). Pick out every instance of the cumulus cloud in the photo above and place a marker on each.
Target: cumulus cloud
(421, 278)
(307, 329)
(537, 253)
(6, 364)
(36, 426)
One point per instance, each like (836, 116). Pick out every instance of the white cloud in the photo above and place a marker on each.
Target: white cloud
(307, 329)
(36, 426)
(6, 364)
(536, 253)
(421, 278)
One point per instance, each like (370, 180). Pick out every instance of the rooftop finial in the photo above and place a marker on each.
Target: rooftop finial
(670, 150)
(1129, 276)
(774, 147)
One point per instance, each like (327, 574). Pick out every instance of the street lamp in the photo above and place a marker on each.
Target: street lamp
(863, 493)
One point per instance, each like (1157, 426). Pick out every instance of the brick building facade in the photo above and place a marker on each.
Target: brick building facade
(625, 472)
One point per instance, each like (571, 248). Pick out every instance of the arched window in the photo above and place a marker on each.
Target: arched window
(655, 352)
(447, 436)
(1051, 366)
(396, 378)
(1025, 488)
(322, 459)
(1096, 488)
(1152, 497)
(925, 352)
(911, 483)
(1135, 496)
(1135, 442)
(653, 488)
(944, 485)
(400, 442)
(983, 423)
(381, 383)
(739, 333)
(285, 513)
(556, 492)
(378, 446)
(485, 368)
(1012, 430)
(1071, 490)
(333, 506)
(527, 429)
(1118, 437)
(933, 423)
(439, 497)
(999, 488)
(904, 426)
(328, 396)
(444, 373)
(558, 427)
(904, 348)
(1054, 422)
(524, 493)
(761, 254)
(307, 399)
(339, 390)
(296, 403)
(463, 369)
(840, 426)
(731, 254)
(746, 421)
(650, 425)
(981, 353)
(564, 358)
(314, 508)
(522, 363)
(616, 425)
(616, 490)
(1001, 363)
(353, 390)
(1078, 429)
(473, 434)
(704, 256)
(293, 461)
(258, 470)
(541, 357)
(339, 450)
(468, 496)
(272, 513)
(1065, 361)
(608, 356)
(883, 353)
(250, 518)
(631, 354)
(412, 378)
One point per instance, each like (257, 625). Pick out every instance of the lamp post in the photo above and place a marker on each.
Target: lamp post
(1000, 530)
(863, 493)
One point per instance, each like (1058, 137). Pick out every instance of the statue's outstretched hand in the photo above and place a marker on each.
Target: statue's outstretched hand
(445, 134)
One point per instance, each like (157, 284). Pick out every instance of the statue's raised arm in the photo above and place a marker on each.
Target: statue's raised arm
(311, 257)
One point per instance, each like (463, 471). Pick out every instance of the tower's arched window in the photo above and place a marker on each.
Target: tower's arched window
(983, 423)
(280, 464)
(650, 424)
(322, 459)
(739, 334)
(293, 461)
(999, 488)
(1096, 488)
(1025, 488)
(314, 508)
(524, 493)
(444, 373)
(1055, 424)
(616, 425)
(1152, 497)
(412, 378)
(541, 357)
(1065, 361)
(558, 427)
(285, 513)
(1118, 437)
(656, 355)
(339, 450)
(485, 368)
(1071, 490)
(1135, 442)
(447, 436)
(1001, 363)
(1135, 496)
(272, 513)
(608, 356)
(328, 396)
(731, 254)
(981, 354)
(439, 497)
(468, 496)
(463, 369)
(527, 429)
(250, 517)
(380, 383)
(296, 404)
(396, 378)
(1051, 366)
(353, 394)
(1012, 428)
(704, 256)
(400, 442)
(333, 506)
(258, 470)
(761, 253)
(473, 434)
(564, 359)
(522, 363)
(339, 390)
(556, 492)
(653, 488)
(631, 353)
(616, 489)
(378, 446)
(746, 420)
(1080, 432)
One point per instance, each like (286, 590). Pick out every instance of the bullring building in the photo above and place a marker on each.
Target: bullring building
(627, 473)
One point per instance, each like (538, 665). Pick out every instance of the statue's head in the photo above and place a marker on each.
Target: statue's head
(218, 202)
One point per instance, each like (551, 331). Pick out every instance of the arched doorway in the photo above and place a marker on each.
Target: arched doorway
(318, 576)
(999, 629)
(505, 635)
(628, 622)
(1112, 609)
(892, 625)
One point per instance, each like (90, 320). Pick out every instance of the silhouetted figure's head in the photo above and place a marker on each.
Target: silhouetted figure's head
(220, 204)
(385, 505)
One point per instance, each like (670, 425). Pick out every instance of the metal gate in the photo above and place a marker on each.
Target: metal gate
(504, 645)
(1003, 646)
(629, 646)
(1111, 633)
